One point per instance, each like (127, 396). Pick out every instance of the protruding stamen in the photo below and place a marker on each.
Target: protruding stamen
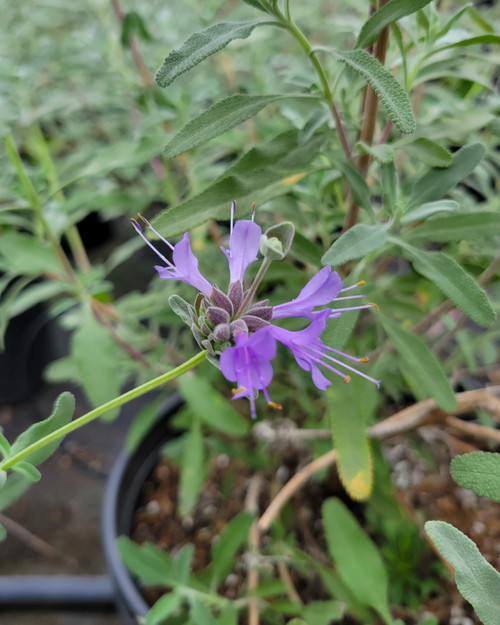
(348, 356)
(155, 231)
(337, 299)
(252, 211)
(275, 406)
(347, 379)
(374, 305)
(136, 225)
(236, 391)
(354, 286)
(365, 359)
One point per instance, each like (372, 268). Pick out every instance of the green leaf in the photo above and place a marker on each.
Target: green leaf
(234, 535)
(387, 14)
(228, 615)
(94, 352)
(62, 413)
(200, 613)
(193, 469)
(35, 294)
(457, 227)
(429, 152)
(4, 446)
(15, 486)
(339, 329)
(181, 308)
(358, 241)
(471, 41)
(349, 407)
(133, 25)
(454, 282)
(389, 91)
(356, 557)
(382, 153)
(479, 471)
(149, 563)
(25, 254)
(210, 406)
(201, 45)
(476, 579)
(390, 189)
(182, 562)
(165, 605)
(220, 117)
(436, 182)
(27, 470)
(423, 366)
(322, 612)
(359, 189)
(256, 4)
(427, 210)
(262, 173)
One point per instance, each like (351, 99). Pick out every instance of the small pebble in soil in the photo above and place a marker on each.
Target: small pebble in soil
(222, 461)
(282, 473)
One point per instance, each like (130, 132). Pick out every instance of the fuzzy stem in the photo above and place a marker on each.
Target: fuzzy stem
(100, 410)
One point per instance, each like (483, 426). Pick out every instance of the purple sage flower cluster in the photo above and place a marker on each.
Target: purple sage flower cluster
(239, 333)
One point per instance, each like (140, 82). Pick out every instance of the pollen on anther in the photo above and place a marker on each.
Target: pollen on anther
(235, 391)
(136, 225)
(360, 283)
(364, 359)
(347, 379)
(275, 406)
(374, 305)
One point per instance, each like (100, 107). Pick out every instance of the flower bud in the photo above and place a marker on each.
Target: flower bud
(276, 241)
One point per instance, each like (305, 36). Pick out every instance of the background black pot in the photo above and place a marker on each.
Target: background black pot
(125, 483)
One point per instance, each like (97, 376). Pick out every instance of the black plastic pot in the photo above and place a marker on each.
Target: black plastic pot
(122, 492)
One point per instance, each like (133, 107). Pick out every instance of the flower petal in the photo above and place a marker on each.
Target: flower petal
(243, 248)
(186, 267)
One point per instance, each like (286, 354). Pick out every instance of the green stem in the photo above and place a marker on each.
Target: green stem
(97, 412)
(327, 91)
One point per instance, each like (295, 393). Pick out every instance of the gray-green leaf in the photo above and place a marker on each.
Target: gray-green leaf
(458, 227)
(389, 91)
(436, 182)
(201, 45)
(181, 308)
(220, 117)
(430, 208)
(355, 243)
(356, 557)
(386, 14)
(429, 152)
(476, 579)
(423, 366)
(479, 471)
(455, 283)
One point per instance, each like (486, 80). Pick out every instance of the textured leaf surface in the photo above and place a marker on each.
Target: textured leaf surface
(217, 119)
(429, 152)
(93, 351)
(356, 557)
(25, 254)
(429, 209)
(349, 407)
(391, 12)
(149, 563)
(234, 535)
(458, 227)
(476, 579)
(192, 470)
(455, 283)
(260, 174)
(62, 413)
(436, 182)
(389, 91)
(479, 471)
(201, 45)
(423, 366)
(210, 406)
(355, 243)
(163, 608)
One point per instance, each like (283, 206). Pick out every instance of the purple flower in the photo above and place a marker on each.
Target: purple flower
(248, 364)
(185, 265)
(244, 242)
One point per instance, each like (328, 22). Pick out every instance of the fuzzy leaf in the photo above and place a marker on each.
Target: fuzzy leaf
(359, 189)
(429, 152)
(25, 254)
(479, 471)
(28, 471)
(427, 210)
(163, 608)
(458, 227)
(339, 329)
(93, 352)
(181, 308)
(217, 119)
(476, 579)
(391, 12)
(350, 438)
(436, 182)
(149, 563)
(389, 91)
(382, 153)
(455, 283)
(201, 45)
(193, 470)
(356, 557)
(422, 364)
(355, 243)
(234, 535)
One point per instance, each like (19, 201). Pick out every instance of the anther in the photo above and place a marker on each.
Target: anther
(360, 283)
(235, 391)
(136, 225)
(347, 379)
(374, 305)
(364, 360)
(275, 406)
(252, 210)
(144, 220)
